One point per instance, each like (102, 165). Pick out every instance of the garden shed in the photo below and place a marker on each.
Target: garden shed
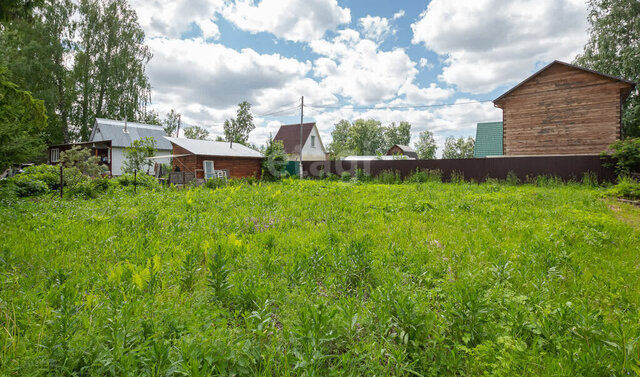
(209, 159)
(402, 150)
(563, 109)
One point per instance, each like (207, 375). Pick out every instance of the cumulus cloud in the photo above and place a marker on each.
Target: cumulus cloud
(172, 18)
(356, 68)
(375, 28)
(489, 43)
(289, 19)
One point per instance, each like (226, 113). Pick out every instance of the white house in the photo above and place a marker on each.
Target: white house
(313, 148)
(122, 134)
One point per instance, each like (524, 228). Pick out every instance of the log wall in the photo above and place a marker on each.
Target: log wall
(563, 110)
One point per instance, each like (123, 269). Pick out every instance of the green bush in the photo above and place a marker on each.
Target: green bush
(512, 179)
(425, 175)
(457, 177)
(389, 177)
(214, 183)
(362, 175)
(345, 176)
(623, 156)
(627, 188)
(142, 180)
(49, 174)
(28, 185)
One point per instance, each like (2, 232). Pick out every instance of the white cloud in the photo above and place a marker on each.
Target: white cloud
(206, 81)
(356, 68)
(398, 14)
(172, 18)
(289, 19)
(375, 28)
(489, 43)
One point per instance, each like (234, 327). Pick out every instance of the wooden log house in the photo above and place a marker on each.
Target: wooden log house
(563, 109)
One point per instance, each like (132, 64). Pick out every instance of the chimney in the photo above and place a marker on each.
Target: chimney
(126, 130)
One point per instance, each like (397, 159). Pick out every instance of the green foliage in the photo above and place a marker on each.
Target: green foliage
(426, 146)
(171, 122)
(614, 48)
(138, 155)
(362, 175)
(626, 188)
(367, 137)
(80, 158)
(400, 134)
(275, 161)
(196, 132)
(389, 177)
(237, 130)
(458, 148)
(424, 175)
(623, 156)
(345, 176)
(22, 122)
(313, 277)
(141, 179)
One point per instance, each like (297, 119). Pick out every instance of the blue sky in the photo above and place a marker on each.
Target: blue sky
(393, 61)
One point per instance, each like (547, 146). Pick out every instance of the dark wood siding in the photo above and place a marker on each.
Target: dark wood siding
(237, 167)
(563, 110)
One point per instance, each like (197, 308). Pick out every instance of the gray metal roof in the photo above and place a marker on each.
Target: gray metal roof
(214, 148)
(108, 129)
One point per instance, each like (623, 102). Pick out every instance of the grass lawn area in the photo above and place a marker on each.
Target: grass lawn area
(322, 278)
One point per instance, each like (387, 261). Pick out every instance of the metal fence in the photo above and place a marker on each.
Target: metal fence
(564, 167)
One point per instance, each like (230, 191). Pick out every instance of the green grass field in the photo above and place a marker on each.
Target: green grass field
(322, 278)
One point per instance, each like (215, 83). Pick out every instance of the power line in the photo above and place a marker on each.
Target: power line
(375, 107)
(277, 112)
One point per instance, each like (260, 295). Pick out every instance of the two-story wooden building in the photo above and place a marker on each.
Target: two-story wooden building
(563, 109)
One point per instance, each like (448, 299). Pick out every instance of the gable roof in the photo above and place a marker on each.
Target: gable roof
(109, 129)
(407, 150)
(289, 134)
(488, 140)
(214, 148)
(557, 62)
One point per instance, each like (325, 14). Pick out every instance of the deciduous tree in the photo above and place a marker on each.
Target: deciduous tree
(426, 146)
(237, 130)
(458, 147)
(196, 132)
(614, 48)
(137, 156)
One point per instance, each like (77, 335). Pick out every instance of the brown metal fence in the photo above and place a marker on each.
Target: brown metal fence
(479, 169)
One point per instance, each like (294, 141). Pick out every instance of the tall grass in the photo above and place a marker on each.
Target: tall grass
(321, 278)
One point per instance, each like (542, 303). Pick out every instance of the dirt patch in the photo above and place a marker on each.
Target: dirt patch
(627, 212)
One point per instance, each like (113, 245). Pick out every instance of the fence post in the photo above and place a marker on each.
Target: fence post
(61, 181)
(135, 181)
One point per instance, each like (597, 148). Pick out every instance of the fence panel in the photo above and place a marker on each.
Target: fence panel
(564, 167)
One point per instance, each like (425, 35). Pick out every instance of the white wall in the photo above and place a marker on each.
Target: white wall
(309, 153)
(118, 158)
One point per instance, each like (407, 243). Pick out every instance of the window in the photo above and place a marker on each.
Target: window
(55, 154)
(313, 141)
(208, 170)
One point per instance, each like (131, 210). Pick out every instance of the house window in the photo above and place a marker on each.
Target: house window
(55, 154)
(208, 170)
(313, 141)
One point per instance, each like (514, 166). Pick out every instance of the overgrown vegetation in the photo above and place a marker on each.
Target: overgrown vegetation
(321, 278)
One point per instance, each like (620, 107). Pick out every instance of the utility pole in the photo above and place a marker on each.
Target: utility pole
(301, 124)
(178, 131)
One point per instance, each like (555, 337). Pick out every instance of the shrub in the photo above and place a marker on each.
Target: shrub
(457, 176)
(49, 174)
(389, 177)
(623, 156)
(26, 185)
(214, 183)
(627, 188)
(590, 179)
(345, 176)
(275, 161)
(333, 177)
(362, 175)
(512, 179)
(425, 175)
(142, 180)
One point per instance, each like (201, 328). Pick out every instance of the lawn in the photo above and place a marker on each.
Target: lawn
(322, 278)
